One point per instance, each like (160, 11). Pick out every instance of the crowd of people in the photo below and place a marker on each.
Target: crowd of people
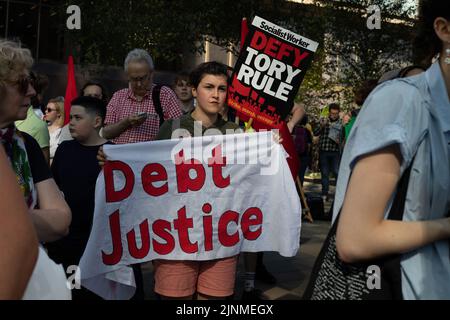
(399, 131)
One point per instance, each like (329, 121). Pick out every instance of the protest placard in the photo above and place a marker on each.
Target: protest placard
(198, 198)
(268, 73)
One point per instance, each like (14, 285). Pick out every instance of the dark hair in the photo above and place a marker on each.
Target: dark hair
(182, 76)
(212, 68)
(364, 90)
(427, 44)
(98, 84)
(304, 120)
(334, 106)
(40, 82)
(355, 112)
(92, 105)
(404, 72)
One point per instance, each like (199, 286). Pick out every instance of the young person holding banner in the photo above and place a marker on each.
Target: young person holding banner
(207, 279)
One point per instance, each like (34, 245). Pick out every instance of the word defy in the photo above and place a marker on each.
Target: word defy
(154, 179)
(265, 68)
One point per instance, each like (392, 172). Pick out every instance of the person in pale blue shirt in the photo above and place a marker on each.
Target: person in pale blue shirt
(403, 123)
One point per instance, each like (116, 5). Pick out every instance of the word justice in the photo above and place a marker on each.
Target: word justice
(249, 223)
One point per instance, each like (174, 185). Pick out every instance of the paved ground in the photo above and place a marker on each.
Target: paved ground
(292, 273)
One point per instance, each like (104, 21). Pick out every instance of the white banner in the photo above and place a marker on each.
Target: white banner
(154, 202)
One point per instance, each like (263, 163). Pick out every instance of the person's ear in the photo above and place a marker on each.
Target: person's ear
(194, 92)
(442, 29)
(98, 122)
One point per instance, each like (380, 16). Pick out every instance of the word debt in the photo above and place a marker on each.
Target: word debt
(176, 233)
(154, 174)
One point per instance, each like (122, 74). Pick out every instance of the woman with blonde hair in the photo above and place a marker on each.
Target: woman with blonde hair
(54, 116)
(48, 210)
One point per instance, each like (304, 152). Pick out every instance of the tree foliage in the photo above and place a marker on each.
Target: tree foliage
(166, 28)
(353, 52)
(348, 53)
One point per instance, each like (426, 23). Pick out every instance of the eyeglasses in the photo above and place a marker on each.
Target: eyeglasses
(49, 110)
(139, 79)
(23, 84)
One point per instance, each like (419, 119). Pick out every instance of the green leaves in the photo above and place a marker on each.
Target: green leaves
(348, 53)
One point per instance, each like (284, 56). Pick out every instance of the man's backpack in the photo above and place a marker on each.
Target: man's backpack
(300, 142)
(156, 93)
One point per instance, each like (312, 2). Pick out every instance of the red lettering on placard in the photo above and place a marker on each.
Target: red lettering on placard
(207, 227)
(162, 229)
(226, 239)
(272, 47)
(148, 178)
(183, 224)
(208, 232)
(299, 56)
(275, 48)
(259, 41)
(184, 181)
(251, 217)
(250, 225)
(112, 195)
(217, 162)
(145, 241)
(285, 51)
(116, 255)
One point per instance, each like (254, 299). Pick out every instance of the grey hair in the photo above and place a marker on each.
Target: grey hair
(137, 55)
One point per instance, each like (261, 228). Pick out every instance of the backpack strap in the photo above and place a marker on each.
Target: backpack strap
(156, 93)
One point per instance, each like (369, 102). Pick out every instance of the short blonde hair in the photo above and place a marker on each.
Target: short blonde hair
(13, 60)
(59, 104)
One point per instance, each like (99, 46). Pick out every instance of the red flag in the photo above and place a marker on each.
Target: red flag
(244, 31)
(71, 89)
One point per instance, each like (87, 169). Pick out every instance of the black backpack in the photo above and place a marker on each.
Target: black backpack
(156, 93)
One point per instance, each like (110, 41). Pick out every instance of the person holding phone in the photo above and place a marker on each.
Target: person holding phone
(131, 114)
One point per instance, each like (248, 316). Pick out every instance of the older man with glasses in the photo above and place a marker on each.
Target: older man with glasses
(132, 115)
